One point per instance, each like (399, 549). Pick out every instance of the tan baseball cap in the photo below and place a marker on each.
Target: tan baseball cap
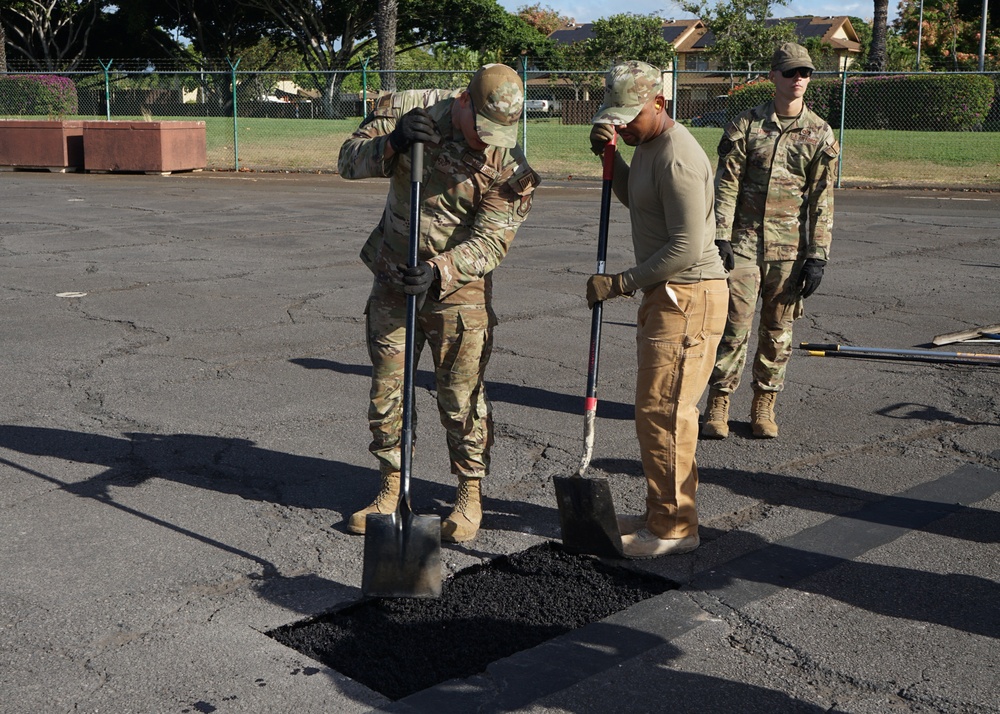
(498, 97)
(627, 88)
(791, 56)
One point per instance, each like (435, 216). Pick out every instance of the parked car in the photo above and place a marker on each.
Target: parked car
(717, 118)
(543, 107)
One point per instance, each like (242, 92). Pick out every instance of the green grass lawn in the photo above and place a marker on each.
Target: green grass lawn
(562, 152)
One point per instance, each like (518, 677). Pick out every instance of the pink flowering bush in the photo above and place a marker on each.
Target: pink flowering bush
(37, 94)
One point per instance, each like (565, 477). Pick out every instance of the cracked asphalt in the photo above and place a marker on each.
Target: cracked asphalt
(183, 432)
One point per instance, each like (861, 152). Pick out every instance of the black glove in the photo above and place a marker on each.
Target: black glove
(418, 279)
(810, 275)
(726, 253)
(600, 135)
(416, 125)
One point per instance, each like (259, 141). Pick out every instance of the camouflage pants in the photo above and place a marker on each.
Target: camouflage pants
(461, 340)
(774, 283)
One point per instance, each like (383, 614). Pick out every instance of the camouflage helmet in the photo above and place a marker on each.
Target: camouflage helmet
(497, 95)
(791, 56)
(628, 87)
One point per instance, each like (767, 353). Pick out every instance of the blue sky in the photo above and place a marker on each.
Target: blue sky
(590, 10)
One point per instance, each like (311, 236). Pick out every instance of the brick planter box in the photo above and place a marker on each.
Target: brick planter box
(41, 144)
(152, 147)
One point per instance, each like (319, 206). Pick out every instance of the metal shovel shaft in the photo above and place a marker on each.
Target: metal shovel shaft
(597, 313)
(403, 549)
(586, 510)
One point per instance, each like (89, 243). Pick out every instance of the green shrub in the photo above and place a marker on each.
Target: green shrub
(37, 95)
(925, 102)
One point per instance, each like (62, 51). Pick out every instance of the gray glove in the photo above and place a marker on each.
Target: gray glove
(600, 135)
(416, 125)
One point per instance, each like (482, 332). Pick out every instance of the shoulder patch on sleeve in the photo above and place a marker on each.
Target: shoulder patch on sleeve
(383, 105)
(523, 183)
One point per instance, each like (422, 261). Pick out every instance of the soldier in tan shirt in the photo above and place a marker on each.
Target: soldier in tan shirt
(668, 190)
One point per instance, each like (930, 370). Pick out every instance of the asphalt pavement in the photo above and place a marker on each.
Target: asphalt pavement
(184, 432)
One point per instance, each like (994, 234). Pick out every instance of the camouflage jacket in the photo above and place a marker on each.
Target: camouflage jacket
(774, 188)
(472, 202)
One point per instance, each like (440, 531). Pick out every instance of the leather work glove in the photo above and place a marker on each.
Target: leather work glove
(418, 279)
(810, 275)
(603, 287)
(416, 125)
(726, 253)
(600, 135)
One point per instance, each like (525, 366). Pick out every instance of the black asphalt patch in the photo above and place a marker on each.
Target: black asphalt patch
(486, 612)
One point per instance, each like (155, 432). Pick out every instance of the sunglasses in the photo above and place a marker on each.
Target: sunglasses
(803, 72)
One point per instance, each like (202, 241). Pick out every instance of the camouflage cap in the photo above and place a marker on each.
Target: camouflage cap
(628, 87)
(498, 97)
(791, 56)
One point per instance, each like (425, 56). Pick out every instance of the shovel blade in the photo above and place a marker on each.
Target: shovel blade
(587, 516)
(402, 556)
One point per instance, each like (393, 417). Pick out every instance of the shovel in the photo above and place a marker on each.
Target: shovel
(586, 510)
(403, 549)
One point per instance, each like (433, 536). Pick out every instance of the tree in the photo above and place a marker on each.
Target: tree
(743, 37)
(3, 48)
(629, 37)
(385, 33)
(950, 37)
(543, 18)
(880, 31)
(218, 29)
(336, 35)
(50, 34)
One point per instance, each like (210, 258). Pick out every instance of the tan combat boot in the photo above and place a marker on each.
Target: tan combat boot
(762, 415)
(716, 422)
(462, 523)
(385, 502)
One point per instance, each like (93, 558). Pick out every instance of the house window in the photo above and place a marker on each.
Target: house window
(696, 62)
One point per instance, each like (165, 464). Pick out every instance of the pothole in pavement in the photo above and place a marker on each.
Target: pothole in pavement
(400, 646)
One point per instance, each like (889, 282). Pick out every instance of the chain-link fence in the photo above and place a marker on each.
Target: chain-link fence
(900, 129)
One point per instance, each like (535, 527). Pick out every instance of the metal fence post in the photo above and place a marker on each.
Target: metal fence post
(673, 92)
(524, 106)
(107, 87)
(236, 129)
(843, 110)
(364, 87)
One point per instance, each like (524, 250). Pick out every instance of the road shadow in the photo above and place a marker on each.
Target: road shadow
(532, 397)
(927, 412)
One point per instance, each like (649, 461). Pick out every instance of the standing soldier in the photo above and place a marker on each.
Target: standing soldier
(669, 194)
(476, 191)
(774, 213)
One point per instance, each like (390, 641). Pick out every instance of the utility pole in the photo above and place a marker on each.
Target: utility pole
(982, 41)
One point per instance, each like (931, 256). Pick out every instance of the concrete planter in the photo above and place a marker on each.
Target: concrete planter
(41, 144)
(152, 147)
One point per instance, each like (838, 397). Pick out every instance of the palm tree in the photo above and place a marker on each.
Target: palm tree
(385, 32)
(880, 28)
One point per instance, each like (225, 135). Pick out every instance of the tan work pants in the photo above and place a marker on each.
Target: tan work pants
(678, 331)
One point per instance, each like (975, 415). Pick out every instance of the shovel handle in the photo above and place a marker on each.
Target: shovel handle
(610, 149)
(409, 353)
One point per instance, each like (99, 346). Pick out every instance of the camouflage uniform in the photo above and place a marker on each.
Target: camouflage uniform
(774, 203)
(472, 205)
